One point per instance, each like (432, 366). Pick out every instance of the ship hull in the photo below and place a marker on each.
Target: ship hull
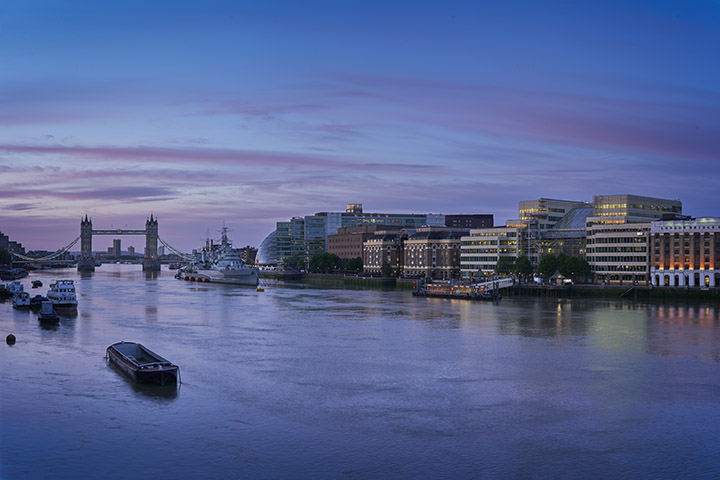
(248, 277)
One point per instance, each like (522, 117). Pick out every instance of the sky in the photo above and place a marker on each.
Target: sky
(246, 113)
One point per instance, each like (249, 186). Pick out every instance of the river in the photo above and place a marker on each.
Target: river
(299, 382)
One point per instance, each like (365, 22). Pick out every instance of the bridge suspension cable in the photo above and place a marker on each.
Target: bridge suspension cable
(50, 256)
(176, 251)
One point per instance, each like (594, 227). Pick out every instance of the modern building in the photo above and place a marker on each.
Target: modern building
(116, 248)
(305, 236)
(433, 253)
(685, 253)
(541, 215)
(567, 236)
(385, 247)
(131, 251)
(469, 221)
(267, 252)
(483, 247)
(618, 236)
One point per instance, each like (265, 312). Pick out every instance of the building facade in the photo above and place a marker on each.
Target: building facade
(348, 241)
(470, 221)
(384, 248)
(618, 253)
(481, 249)
(306, 236)
(685, 253)
(433, 253)
(618, 236)
(540, 216)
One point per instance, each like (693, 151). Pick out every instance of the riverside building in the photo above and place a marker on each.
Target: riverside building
(433, 253)
(305, 236)
(685, 253)
(618, 236)
(348, 241)
(539, 217)
(383, 252)
(483, 247)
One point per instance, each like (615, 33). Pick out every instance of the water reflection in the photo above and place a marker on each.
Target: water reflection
(155, 392)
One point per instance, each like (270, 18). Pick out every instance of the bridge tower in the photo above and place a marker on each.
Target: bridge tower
(86, 262)
(151, 261)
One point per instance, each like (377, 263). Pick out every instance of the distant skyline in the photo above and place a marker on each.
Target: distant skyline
(249, 113)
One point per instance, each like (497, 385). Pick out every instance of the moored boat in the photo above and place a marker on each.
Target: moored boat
(222, 265)
(37, 300)
(21, 300)
(13, 288)
(36, 283)
(141, 364)
(47, 314)
(62, 296)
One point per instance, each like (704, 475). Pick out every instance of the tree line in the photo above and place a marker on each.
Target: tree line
(571, 267)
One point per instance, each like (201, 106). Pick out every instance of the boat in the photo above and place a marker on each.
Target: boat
(222, 265)
(21, 300)
(36, 301)
(36, 283)
(141, 364)
(13, 288)
(62, 296)
(47, 314)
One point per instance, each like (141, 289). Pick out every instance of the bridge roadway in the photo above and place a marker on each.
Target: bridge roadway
(119, 231)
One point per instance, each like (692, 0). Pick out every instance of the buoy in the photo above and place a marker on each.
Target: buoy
(10, 339)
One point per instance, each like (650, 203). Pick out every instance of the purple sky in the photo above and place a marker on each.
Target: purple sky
(252, 112)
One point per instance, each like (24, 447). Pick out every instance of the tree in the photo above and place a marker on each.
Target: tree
(351, 264)
(505, 265)
(579, 267)
(523, 267)
(386, 270)
(295, 261)
(324, 262)
(5, 257)
(548, 265)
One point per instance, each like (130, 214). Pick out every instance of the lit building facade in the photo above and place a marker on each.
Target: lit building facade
(483, 247)
(539, 217)
(618, 236)
(348, 242)
(306, 236)
(685, 253)
(433, 253)
(384, 248)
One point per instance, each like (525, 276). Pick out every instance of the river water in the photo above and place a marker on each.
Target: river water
(298, 382)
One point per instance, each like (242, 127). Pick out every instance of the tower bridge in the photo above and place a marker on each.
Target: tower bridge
(86, 262)
(151, 262)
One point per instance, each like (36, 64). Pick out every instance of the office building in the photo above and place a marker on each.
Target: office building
(469, 221)
(618, 236)
(305, 236)
(482, 248)
(116, 248)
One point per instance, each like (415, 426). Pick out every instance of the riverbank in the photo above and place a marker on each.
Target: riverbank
(638, 292)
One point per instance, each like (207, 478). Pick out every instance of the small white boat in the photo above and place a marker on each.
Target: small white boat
(62, 296)
(21, 300)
